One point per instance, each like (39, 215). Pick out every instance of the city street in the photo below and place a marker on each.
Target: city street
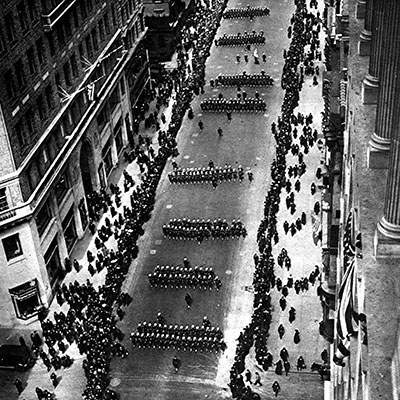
(246, 140)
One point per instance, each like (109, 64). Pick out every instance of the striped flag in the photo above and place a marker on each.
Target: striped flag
(347, 315)
(349, 250)
(342, 351)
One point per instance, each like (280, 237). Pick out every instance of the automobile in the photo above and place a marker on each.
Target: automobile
(16, 357)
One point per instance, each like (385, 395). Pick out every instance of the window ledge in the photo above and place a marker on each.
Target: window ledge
(16, 260)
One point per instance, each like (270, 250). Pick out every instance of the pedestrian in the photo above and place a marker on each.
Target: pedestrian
(229, 116)
(54, 379)
(237, 58)
(276, 388)
(189, 300)
(201, 125)
(258, 379)
(246, 58)
(220, 131)
(286, 366)
(281, 331)
(292, 314)
(296, 337)
(248, 376)
(250, 175)
(39, 393)
(176, 363)
(264, 57)
(18, 385)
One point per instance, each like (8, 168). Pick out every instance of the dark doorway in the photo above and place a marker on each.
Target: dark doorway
(85, 164)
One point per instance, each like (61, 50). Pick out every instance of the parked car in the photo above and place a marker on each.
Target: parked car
(16, 357)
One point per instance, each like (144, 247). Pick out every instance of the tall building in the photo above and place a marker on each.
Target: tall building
(164, 19)
(360, 201)
(70, 73)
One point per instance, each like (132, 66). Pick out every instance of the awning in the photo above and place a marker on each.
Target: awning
(27, 289)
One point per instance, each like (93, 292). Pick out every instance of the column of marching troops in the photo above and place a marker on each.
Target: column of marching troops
(93, 313)
(304, 30)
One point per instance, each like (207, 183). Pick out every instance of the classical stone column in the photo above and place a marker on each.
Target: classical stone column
(387, 237)
(364, 45)
(371, 81)
(386, 112)
(360, 9)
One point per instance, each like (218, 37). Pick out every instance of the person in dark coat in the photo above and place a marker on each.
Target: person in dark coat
(296, 337)
(18, 385)
(276, 388)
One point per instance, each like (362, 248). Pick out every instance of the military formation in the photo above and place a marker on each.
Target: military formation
(243, 79)
(159, 335)
(247, 104)
(196, 229)
(240, 39)
(184, 277)
(212, 174)
(248, 12)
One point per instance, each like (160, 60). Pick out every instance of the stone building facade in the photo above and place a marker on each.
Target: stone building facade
(70, 74)
(361, 90)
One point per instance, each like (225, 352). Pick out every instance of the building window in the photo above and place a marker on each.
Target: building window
(94, 39)
(67, 74)
(41, 107)
(74, 65)
(60, 34)
(89, 49)
(75, 17)
(31, 60)
(122, 84)
(19, 73)
(82, 5)
(49, 97)
(9, 83)
(2, 44)
(9, 24)
(61, 188)
(12, 247)
(32, 10)
(69, 229)
(50, 41)
(106, 155)
(3, 200)
(114, 99)
(101, 30)
(30, 122)
(113, 15)
(53, 263)
(40, 50)
(43, 218)
(67, 26)
(23, 18)
(119, 144)
(21, 133)
(102, 118)
(106, 24)
(26, 299)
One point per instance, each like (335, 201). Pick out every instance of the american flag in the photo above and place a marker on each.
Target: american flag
(347, 315)
(349, 250)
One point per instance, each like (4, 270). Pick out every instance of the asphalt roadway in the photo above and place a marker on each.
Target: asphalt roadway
(246, 140)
